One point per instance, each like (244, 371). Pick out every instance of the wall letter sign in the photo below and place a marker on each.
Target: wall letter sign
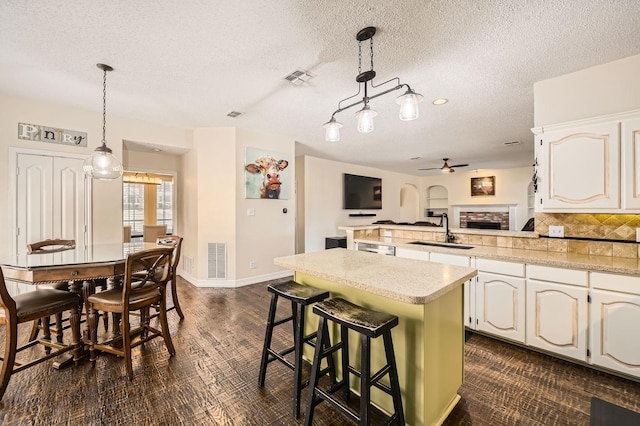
(35, 132)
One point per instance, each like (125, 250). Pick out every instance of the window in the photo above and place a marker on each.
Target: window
(133, 206)
(139, 197)
(164, 200)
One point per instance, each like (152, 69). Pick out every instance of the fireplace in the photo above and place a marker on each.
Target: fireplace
(488, 215)
(483, 224)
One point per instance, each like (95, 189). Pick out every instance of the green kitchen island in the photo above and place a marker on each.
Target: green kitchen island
(429, 341)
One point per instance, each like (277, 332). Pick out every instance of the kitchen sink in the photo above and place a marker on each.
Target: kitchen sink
(454, 246)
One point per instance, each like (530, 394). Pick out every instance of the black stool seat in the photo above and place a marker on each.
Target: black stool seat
(298, 293)
(300, 296)
(364, 321)
(368, 324)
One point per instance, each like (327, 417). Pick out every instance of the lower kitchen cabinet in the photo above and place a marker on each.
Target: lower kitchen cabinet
(557, 310)
(469, 290)
(500, 299)
(615, 322)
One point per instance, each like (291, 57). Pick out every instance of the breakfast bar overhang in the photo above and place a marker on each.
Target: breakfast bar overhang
(428, 299)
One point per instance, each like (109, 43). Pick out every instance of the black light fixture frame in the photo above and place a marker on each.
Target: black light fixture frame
(366, 76)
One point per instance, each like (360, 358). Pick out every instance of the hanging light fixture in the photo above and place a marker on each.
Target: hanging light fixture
(408, 101)
(102, 164)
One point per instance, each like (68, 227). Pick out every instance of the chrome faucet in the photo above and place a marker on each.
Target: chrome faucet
(448, 238)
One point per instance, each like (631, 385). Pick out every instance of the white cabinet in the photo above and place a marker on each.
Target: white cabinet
(500, 299)
(631, 164)
(412, 254)
(469, 288)
(578, 168)
(557, 310)
(615, 322)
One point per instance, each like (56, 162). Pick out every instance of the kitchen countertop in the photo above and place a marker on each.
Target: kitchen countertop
(630, 266)
(521, 234)
(405, 280)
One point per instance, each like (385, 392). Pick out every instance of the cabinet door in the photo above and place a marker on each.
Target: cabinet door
(579, 168)
(557, 318)
(631, 164)
(500, 306)
(469, 286)
(412, 254)
(614, 331)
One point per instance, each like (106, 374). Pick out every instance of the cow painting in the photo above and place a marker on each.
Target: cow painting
(268, 168)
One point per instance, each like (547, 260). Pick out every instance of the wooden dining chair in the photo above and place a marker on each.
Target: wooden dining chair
(136, 294)
(55, 246)
(43, 247)
(29, 307)
(175, 242)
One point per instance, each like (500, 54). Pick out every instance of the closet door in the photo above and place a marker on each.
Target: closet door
(50, 199)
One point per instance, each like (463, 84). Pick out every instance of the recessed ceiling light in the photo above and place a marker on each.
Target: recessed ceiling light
(156, 150)
(440, 101)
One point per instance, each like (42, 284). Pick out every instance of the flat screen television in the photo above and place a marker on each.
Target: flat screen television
(362, 192)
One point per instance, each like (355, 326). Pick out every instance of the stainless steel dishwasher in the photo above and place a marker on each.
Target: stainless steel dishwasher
(377, 248)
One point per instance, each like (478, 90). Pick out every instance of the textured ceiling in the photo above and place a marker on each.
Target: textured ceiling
(189, 63)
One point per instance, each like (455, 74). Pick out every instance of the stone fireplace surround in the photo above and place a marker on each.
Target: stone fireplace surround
(503, 213)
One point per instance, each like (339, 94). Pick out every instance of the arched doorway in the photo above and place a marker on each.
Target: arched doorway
(409, 203)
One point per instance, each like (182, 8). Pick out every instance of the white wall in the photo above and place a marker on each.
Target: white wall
(107, 195)
(270, 232)
(510, 187)
(604, 89)
(323, 198)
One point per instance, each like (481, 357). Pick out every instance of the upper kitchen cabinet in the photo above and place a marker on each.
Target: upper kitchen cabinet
(578, 168)
(589, 166)
(631, 165)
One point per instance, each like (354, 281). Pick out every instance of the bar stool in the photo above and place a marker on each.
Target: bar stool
(300, 296)
(370, 324)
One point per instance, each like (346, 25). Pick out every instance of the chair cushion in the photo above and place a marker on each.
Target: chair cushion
(113, 297)
(44, 302)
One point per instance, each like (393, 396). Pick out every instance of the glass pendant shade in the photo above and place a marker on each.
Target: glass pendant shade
(102, 164)
(409, 105)
(365, 119)
(332, 133)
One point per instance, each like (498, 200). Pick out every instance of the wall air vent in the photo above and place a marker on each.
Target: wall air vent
(298, 77)
(234, 114)
(217, 260)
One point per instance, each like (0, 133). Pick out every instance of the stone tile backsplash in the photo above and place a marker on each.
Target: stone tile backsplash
(619, 227)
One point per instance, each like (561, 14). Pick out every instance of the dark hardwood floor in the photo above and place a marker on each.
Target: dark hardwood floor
(213, 379)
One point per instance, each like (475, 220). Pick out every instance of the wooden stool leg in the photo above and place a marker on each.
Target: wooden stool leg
(298, 338)
(365, 379)
(393, 378)
(315, 371)
(344, 337)
(74, 320)
(267, 340)
(59, 328)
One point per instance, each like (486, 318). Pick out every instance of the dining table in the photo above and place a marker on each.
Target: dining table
(80, 266)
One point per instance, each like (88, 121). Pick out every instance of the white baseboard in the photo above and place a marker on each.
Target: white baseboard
(215, 283)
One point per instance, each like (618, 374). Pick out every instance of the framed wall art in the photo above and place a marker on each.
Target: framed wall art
(266, 174)
(481, 186)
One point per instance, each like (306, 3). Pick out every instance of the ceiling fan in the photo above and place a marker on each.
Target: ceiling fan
(446, 168)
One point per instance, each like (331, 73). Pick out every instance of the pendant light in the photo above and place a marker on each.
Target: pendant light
(408, 101)
(102, 164)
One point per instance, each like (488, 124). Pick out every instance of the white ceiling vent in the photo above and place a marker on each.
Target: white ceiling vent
(298, 77)
(512, 143)
(234, 114)
(217, 259)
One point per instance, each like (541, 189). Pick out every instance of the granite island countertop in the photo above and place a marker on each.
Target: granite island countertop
(406, 280)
